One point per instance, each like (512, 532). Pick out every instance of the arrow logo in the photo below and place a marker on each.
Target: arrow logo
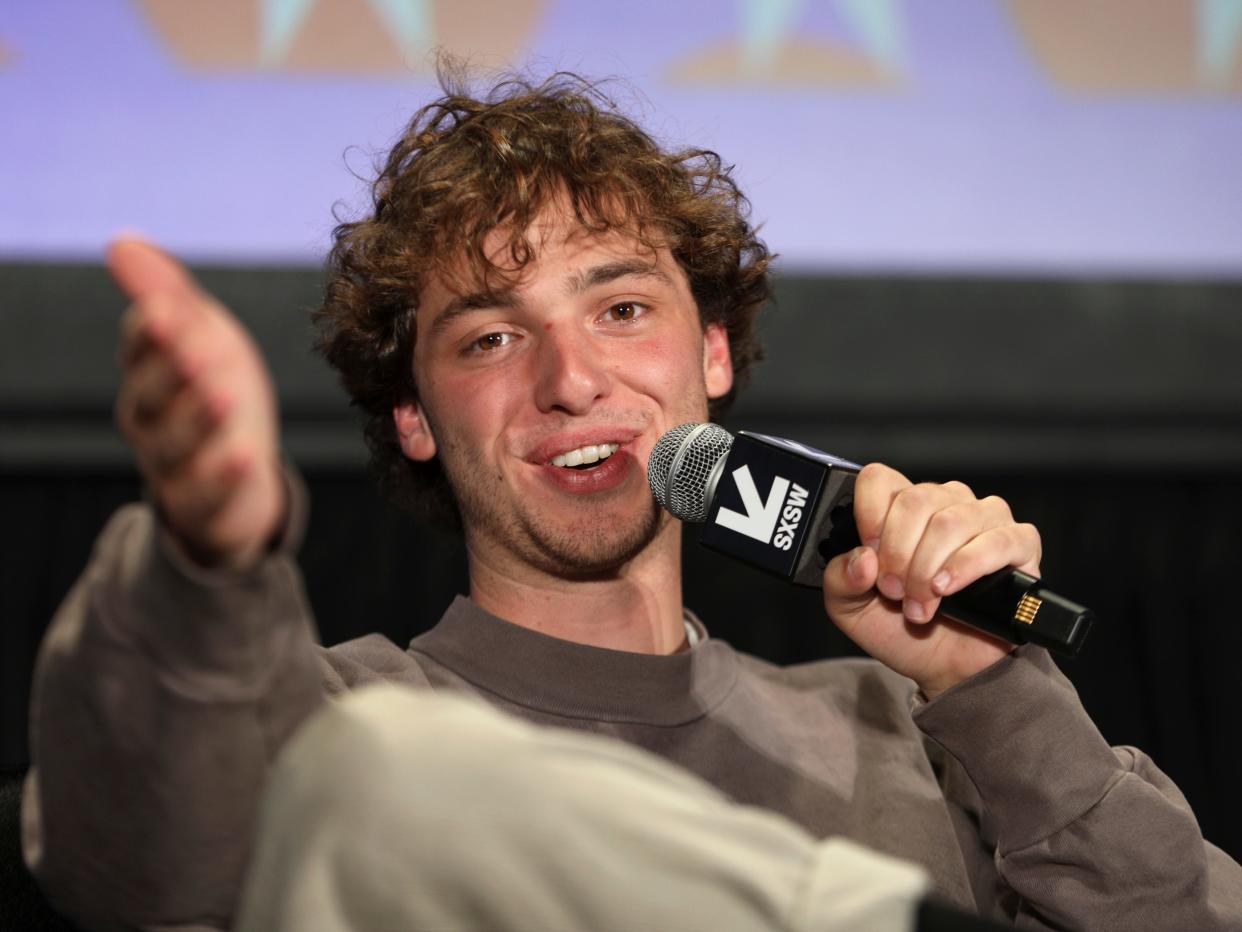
(760, 519)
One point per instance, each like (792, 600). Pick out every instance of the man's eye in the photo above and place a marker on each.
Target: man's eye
(626, 311)
(491, 341)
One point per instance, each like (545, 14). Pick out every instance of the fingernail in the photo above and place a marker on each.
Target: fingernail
(914, 610)
(851, 566)
(891, 586)
(940, 582)
(873, 543)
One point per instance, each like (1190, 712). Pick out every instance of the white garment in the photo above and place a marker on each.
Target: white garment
(396, 809)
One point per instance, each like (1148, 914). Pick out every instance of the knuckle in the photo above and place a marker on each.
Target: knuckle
(959, 489)
(998, 505)
(872, 471)
(1029, 533)
(947, 521)
(881, 475)
(922, 495)
(867, 486)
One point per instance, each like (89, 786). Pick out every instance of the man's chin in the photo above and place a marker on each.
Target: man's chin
(598, 550)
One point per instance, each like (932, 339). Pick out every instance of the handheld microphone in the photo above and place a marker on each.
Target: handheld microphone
(805, 516)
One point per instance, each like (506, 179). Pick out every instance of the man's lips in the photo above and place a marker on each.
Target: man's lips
(607, 473)
(547, 450)
(603, 476)
(586, 456)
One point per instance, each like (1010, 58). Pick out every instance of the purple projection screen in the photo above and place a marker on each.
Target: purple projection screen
(1024, 136)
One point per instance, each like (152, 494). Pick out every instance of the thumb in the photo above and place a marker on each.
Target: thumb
(142, 269)
(849, 581)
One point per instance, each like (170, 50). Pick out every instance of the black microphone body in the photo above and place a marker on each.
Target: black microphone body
(788, 509)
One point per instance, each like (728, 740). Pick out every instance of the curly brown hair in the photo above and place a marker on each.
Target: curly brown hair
(466, 166)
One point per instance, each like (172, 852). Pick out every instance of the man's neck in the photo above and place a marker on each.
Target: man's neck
(637, 609)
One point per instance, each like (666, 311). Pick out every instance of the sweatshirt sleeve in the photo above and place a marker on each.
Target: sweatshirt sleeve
(1088, 836)
(162, 693)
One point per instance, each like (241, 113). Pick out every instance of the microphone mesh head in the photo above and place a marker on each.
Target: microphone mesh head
(661, 460)
(681, 466)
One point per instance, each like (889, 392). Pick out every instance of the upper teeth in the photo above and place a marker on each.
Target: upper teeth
(587, 454)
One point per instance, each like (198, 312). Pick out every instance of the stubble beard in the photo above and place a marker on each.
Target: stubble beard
(596, 544)
(590, 549)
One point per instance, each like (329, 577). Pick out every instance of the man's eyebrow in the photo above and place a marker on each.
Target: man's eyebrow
(509, 298)
(477, 301)
(602, 274)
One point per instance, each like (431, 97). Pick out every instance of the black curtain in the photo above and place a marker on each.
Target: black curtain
(1153, 554)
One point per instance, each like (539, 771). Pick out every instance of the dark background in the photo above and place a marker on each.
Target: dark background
(1106, 412)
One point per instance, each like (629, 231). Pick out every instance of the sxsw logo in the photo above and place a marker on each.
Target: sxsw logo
(775, 520)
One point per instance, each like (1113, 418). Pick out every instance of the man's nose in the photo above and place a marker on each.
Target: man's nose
(573, 373)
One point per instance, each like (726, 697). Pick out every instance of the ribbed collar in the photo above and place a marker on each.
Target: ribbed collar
(574, 680)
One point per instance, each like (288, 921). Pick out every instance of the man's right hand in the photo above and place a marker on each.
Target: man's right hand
(197, 405)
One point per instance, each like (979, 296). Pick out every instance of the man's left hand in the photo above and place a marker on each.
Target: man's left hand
(921, 543)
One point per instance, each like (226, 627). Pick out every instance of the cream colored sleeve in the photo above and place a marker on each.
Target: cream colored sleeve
(397, 808)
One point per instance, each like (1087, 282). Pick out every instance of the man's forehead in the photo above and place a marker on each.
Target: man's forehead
(570, 252)
(561, 232)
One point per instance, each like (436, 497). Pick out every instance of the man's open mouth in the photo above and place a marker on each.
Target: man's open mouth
(585, 457)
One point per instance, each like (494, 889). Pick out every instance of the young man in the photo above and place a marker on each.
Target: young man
(540, 294)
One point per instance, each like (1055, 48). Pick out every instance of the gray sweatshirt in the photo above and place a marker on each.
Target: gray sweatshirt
(163, 693)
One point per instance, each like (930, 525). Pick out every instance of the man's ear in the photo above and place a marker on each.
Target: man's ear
(413, 431)
(717, 363)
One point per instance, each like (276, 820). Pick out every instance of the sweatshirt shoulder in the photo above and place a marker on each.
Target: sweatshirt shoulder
(371, 658)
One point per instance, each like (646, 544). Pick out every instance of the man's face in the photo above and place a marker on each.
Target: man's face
(594, 352)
